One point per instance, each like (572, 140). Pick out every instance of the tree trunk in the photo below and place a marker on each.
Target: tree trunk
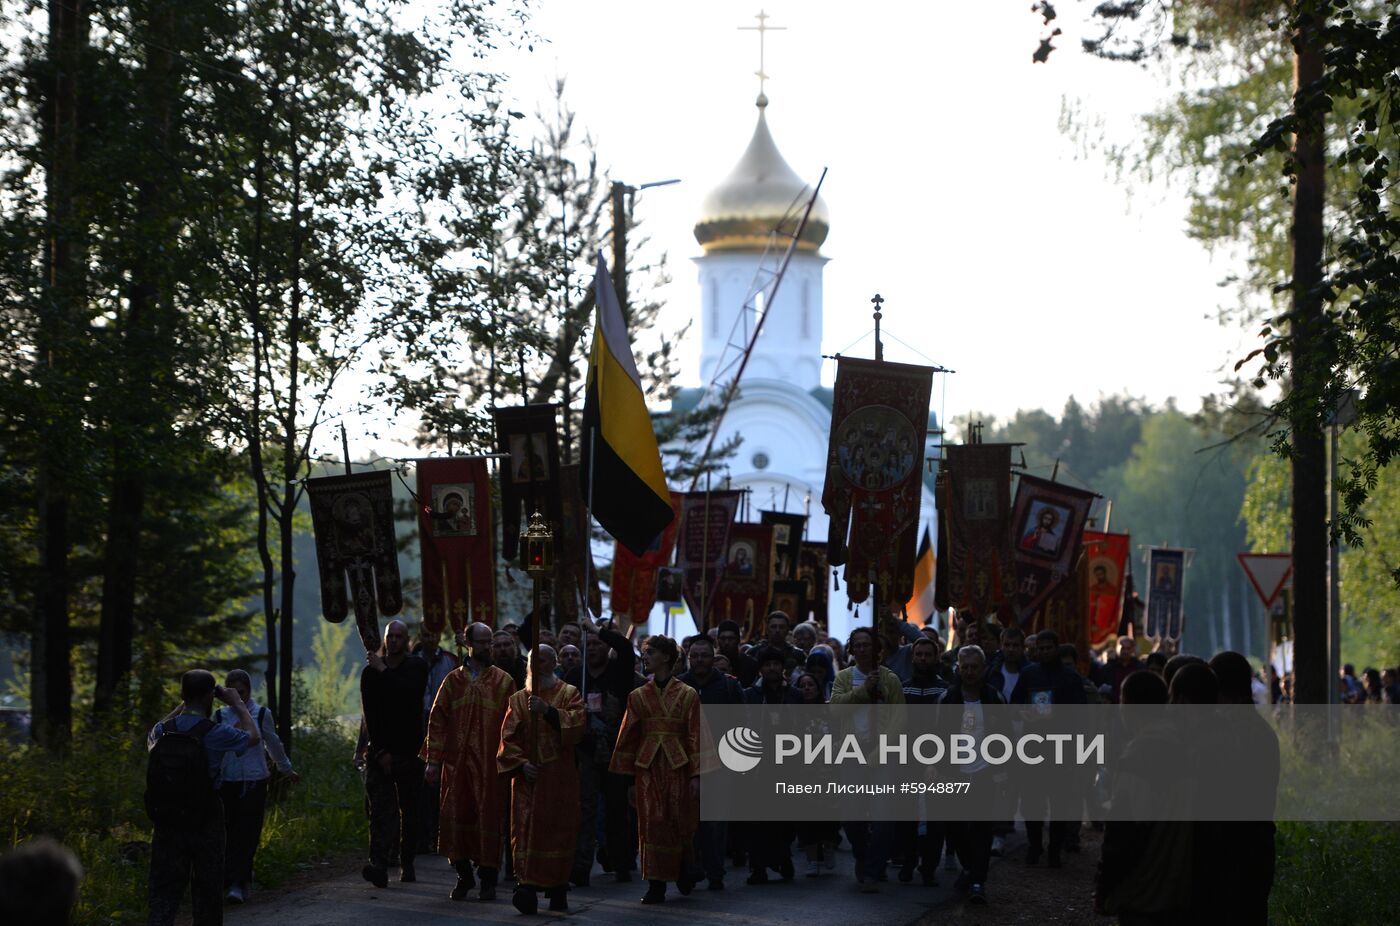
(1309, 372)
(257, 328)
(291, 455)
(60, 320)
(146, 354)
(119, 563)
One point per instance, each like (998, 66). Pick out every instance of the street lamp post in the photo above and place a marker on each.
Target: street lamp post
(621, 216)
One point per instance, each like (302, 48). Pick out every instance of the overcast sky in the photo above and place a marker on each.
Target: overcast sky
(952, 188)
(953, 191)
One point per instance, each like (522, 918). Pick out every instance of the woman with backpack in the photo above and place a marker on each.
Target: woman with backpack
(186, 753)
(244, 790)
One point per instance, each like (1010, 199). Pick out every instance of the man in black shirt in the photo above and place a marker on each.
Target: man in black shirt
(391, 696)
(770, 843)
(610, 663)
(926, 685)
(741, 665)
(965, 709)
(713, 688)
(1043, 684)
(505, 654)
(778, 627)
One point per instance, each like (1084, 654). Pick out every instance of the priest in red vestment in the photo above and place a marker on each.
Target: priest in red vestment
(464, 736)
(662, 745)
(544, 723)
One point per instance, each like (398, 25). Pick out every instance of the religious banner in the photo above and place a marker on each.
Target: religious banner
(746, 581)
(670, 586)
(815, 576)
(706, 519)
(1048, 521)
(455, 538)
(790, 597)
(874, 475)
(1063, 610)
(787, 541)
(635, 579)
(1108, 566)
(1166, 574)
(353, 519)
(573, 553)
(974, 515)
(529, 437)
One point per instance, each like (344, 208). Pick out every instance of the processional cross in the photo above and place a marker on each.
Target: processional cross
(761, 29)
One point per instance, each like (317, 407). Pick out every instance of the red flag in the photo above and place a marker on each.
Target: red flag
(634, 577)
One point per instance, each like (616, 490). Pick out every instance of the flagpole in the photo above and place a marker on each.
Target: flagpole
(705, 554)
(588, 558)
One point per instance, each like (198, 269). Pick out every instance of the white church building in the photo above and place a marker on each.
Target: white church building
(783, 411)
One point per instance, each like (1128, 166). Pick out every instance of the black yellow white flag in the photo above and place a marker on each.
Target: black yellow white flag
(621, 470)
(920, 606)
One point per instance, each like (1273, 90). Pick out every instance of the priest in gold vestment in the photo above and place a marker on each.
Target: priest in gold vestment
(464, 736)
(544, 723)
(662, 745)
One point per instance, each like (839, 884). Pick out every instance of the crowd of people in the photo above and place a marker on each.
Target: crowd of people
(534, 761)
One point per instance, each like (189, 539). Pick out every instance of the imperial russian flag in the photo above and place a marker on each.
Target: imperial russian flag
(628, 486)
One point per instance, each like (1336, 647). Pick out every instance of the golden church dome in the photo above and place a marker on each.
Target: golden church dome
(741, 213)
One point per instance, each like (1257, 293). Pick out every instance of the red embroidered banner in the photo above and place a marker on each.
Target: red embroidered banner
(353, 518)
(1048, 524)
(705, 522)
(634, 578)
(874, 475)
(977, 572)
(1108, 565)
(455, 537)
(746, 583)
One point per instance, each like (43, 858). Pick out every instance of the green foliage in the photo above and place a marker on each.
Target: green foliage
(1356, 98)
(1327, 873)
(91, 800)
(1227, 137)
(333, 689)
(1370, 600)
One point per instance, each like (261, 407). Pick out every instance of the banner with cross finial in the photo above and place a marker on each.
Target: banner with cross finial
(353, 519)
(874, 474)
(977, 573)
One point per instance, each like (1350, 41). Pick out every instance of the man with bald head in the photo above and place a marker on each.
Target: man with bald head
(391, 696)
(464, 734)
(569, 658)
(544, 722)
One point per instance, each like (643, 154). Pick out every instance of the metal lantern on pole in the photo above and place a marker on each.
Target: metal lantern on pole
(537, 554)
(537, 548)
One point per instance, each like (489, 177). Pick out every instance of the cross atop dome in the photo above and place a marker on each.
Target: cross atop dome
(762, 29)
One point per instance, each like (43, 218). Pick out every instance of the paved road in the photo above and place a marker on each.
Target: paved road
(803, 902)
